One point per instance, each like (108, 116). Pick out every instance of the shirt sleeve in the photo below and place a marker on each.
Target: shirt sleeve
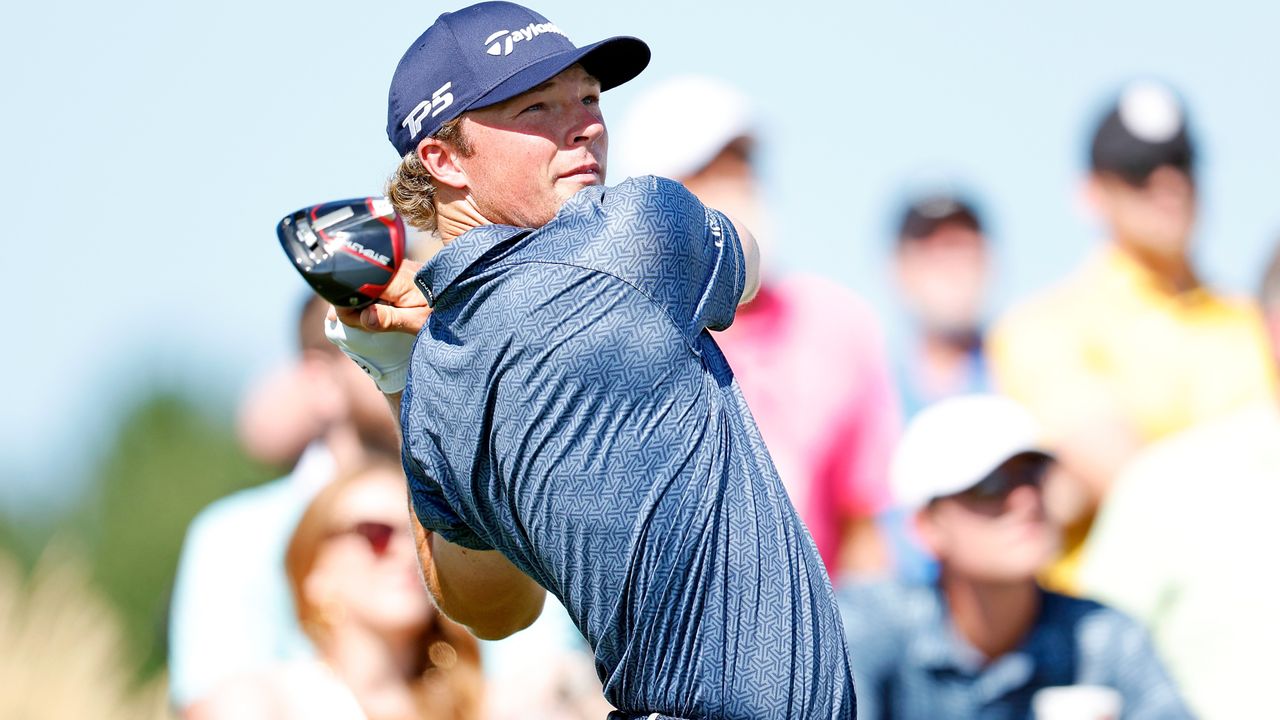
(684, 256)
(426, 470)
(721, 255)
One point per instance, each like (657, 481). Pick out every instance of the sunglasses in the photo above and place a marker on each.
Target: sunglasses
(377, 534)
(1013, 474)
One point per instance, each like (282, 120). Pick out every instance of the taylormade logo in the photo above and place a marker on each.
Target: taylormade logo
(501, 42)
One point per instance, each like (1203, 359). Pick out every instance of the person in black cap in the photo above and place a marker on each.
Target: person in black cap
(941, 267)
(1143, 181)
(568, 421)
(941, 264)
(1133, 347)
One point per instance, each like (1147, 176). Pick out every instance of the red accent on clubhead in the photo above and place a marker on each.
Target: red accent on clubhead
(372, 291)
(397, 233)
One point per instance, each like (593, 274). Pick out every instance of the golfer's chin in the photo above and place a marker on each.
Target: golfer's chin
(571, 185)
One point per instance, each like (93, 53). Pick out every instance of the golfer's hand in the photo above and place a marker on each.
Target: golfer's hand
(400, 308)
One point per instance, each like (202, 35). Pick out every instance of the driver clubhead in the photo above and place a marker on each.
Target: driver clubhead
(346, 250)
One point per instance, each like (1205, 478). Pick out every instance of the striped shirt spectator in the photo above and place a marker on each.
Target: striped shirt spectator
(986, 642)
(910, 662)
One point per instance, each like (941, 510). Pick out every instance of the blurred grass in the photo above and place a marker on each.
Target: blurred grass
(64, 646)
(172, 453)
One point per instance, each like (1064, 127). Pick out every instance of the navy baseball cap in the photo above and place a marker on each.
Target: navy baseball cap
(923, 215)
(484, 54)
(1145, 129)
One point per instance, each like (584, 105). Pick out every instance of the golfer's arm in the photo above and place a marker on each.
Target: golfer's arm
(751, 257)
(480, 589)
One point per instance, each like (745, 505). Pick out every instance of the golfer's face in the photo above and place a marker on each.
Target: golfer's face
(535, 151)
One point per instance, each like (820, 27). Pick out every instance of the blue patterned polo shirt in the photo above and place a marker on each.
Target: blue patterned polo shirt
(567, 407)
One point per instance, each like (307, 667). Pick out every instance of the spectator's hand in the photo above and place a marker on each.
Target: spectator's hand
(400, 308)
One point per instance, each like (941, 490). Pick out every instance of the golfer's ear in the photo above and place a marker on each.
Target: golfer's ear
(441, 160)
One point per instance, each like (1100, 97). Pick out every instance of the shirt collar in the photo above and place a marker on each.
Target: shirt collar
(1119, 268)
(938, 645)
(442, 270)
(935, 644)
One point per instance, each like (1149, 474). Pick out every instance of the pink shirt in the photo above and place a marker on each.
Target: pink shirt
(810, 359)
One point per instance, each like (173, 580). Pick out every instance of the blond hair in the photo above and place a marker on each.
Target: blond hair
(411, 188)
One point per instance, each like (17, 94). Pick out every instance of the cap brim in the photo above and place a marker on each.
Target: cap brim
(1118, 151)
(979, 473)
(613, 62)
(918, 225)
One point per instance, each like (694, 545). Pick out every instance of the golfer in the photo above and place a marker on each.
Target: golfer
(569, 424)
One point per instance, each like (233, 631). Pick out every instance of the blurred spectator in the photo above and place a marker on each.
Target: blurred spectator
(942, 265)
(231, 611)
(809, 355)
(1184, 541)
(1132, 347)
(986, 639)
(383, 650)
(283, 412)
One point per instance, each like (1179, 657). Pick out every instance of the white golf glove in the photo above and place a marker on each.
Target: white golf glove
(383, 355)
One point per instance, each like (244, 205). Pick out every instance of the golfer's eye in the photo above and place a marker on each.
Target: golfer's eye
(592, 99)
(532, 108)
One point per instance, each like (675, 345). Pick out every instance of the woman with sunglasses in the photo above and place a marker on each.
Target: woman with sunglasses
(383, 651)
(986, 641)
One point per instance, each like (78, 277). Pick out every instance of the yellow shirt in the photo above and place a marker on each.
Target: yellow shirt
(1112, 337)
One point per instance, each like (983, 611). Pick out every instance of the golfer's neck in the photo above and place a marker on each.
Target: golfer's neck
(456, 216)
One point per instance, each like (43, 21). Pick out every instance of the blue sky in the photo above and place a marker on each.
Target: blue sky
(149, 148)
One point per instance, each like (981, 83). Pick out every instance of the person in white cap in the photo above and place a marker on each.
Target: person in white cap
(986, 638)
(808, 354)
(1133, 347)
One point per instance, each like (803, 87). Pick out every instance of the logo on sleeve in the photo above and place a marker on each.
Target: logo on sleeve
(716, 232)
(502, 42)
